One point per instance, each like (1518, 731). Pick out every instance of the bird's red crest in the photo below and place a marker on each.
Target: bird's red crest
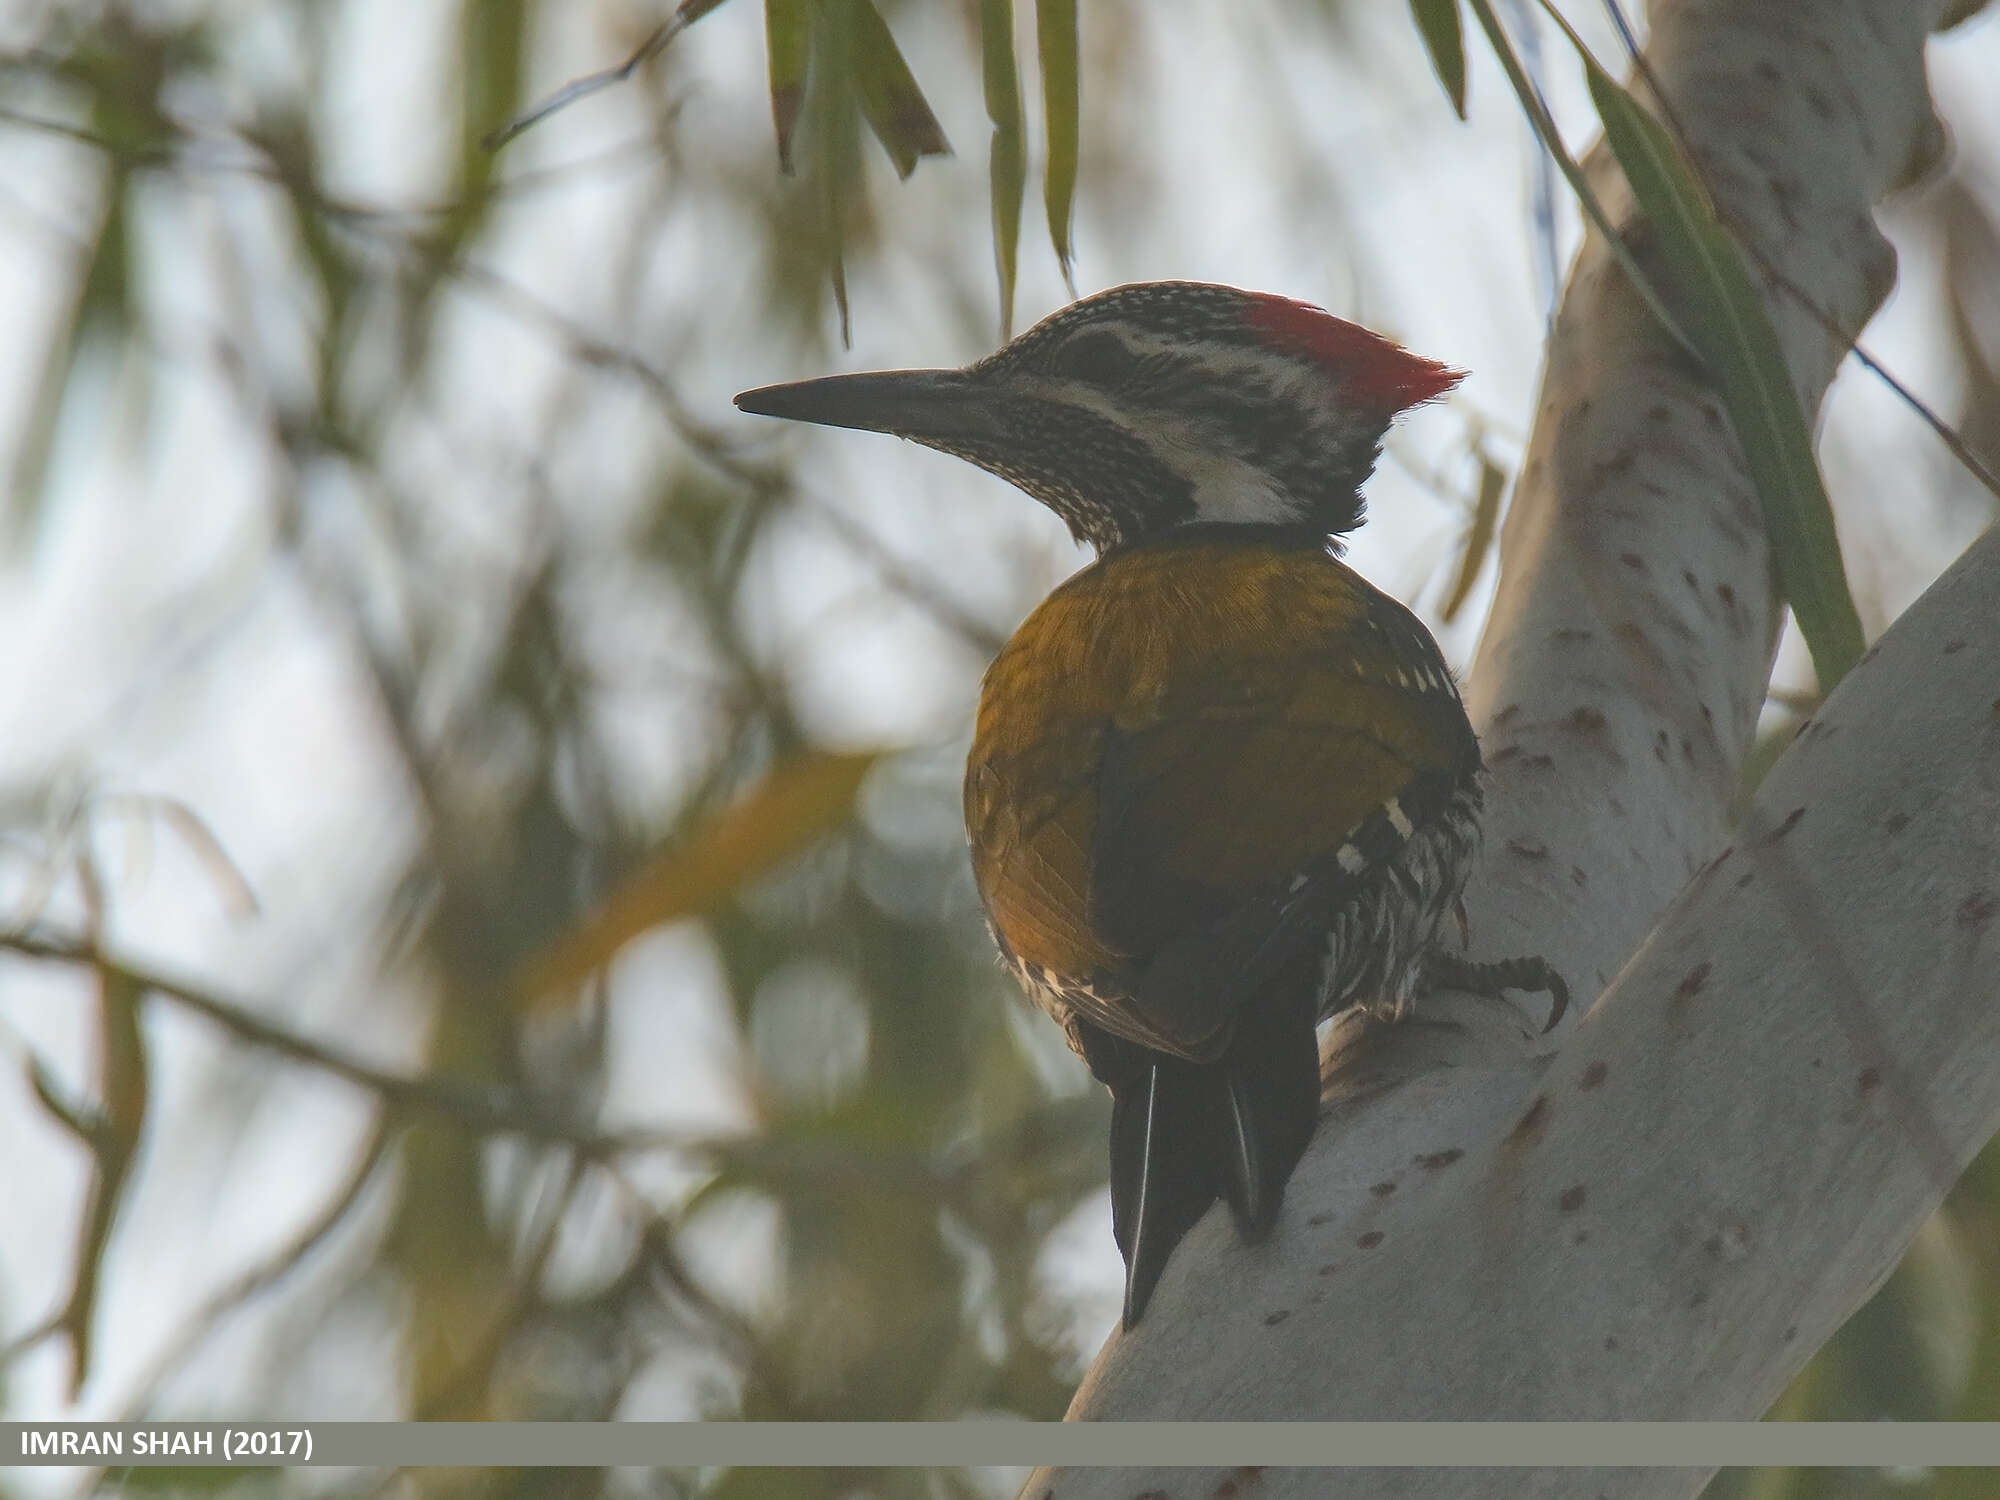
(1374, 372)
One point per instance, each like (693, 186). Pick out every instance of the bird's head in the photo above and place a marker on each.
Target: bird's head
(1155, 405)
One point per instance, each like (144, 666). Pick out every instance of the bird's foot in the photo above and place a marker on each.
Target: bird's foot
(1494, 978)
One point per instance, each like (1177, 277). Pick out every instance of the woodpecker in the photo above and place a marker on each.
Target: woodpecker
(1220, 787)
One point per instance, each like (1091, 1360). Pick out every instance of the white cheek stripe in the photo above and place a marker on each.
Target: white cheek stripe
(1222, 488)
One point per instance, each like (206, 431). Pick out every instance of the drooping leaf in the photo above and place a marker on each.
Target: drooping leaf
(1438, 23)
(831, 108)
(787, 45)
(1056, 42)
(691, 11)
(1009, 164)
(1726, 319)
(1479, 540)
(891, 102)
(102, 308)
(792, 808)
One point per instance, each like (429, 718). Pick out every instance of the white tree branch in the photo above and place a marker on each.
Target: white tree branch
(1736, 1143)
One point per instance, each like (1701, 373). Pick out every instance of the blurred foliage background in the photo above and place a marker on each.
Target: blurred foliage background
(399, 623)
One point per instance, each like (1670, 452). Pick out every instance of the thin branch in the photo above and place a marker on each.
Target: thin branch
(196, 1328)
(705, 441)
(173, 151)
(1946, 434)
(720, 454)
(589, 84)
(485, 1109)
(657, 1249)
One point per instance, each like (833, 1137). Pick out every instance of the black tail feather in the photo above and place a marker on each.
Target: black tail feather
(1184, 1134)
(1272, 1076)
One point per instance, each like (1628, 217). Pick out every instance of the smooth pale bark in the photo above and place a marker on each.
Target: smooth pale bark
(1663, 1209)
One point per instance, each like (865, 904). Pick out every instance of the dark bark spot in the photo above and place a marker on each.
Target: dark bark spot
(1273, 1319)
(1383, 1189)
(1527, 849)
(1869, 1081)
(1790, 822)
(1977, 910)
(1507, 713)
(1594, 1075)
(1577, 878)
(1438, 1160)
(1691, 983)
(1571, 1199)
(1952, 648)
(1633, 561)
(1896, 822)
(1370, 1240)
(1532, 1126)
(1587, 721)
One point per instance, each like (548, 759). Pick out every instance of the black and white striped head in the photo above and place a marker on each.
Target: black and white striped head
(1155, 405)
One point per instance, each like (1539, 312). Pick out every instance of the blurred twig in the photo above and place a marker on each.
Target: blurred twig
(719, 453)
(660, 1254)
(490, 1109)
(591, 83)
(196, 1328)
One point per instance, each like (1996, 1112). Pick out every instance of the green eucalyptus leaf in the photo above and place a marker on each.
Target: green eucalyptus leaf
(1444, 38)
(1009, 166)
(891, 102)
(787, 45)
(1056, 40)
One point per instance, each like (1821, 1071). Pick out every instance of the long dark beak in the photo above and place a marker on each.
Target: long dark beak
(926, 406)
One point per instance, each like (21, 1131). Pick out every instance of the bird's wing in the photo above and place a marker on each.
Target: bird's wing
(1168, 744)
(1235, 811)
